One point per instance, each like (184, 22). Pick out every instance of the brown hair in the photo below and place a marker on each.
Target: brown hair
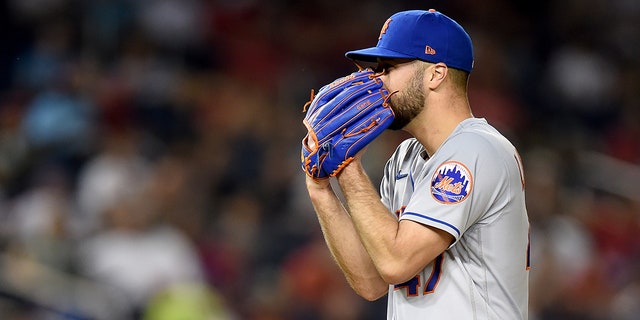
(459, 79)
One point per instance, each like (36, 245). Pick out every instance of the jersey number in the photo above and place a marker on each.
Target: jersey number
(414, 284)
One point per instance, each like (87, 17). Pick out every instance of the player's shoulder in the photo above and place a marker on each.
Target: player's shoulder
(478, 136)
(409, 144)
(406, 154)
(477, 126)
(408, 148)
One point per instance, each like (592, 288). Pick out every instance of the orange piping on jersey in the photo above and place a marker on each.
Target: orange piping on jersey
(520, 169)
(400, 211)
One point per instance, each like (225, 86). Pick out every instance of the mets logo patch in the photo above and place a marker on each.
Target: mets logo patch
(451, 183)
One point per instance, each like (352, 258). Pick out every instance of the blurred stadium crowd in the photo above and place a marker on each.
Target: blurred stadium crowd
(149, 152)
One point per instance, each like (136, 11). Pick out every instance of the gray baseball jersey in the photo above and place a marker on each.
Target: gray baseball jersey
(473, 188)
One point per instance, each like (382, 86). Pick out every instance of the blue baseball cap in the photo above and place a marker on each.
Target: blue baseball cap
(424, 35)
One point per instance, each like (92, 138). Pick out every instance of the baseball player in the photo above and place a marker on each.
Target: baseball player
(446, 237)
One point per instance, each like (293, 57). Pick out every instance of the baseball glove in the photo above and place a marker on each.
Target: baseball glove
(341, 119)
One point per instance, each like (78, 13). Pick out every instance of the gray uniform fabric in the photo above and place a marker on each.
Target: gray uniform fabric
(473, 188)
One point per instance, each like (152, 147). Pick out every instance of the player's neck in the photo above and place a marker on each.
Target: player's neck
(434, 125)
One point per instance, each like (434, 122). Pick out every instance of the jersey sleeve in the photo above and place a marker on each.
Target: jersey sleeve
(455, 189)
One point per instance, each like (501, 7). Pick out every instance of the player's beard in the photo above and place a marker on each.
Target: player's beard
(408, 103)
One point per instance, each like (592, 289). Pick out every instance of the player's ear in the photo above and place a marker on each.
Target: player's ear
(436, 73)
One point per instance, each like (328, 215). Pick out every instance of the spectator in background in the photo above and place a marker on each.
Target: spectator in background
(135, 250)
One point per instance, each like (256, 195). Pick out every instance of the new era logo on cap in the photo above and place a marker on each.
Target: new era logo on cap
(429, 50)
(425, 35)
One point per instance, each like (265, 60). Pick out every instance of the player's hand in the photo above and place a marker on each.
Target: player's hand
(345, 116)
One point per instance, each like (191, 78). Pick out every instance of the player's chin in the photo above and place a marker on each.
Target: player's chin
(400, 119)
(399, 122)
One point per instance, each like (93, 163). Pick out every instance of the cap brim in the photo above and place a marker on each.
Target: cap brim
(372, 54)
